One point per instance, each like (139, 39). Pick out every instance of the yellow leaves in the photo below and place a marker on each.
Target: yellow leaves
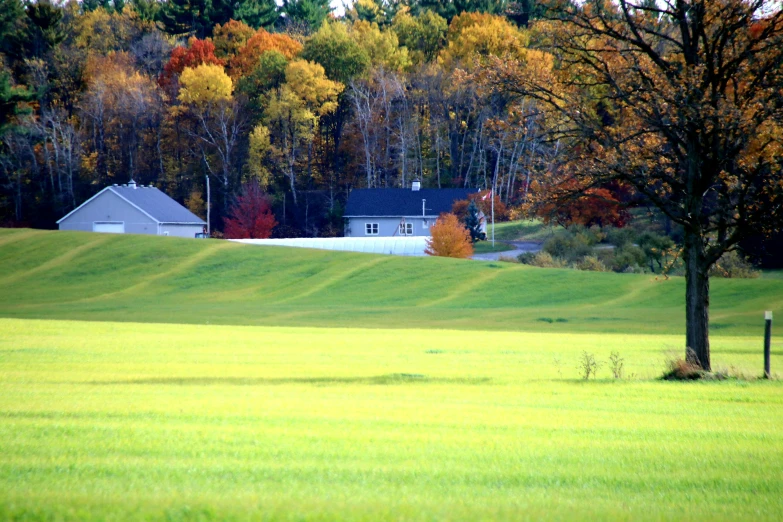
(308, 81)
(205, 84)
(259, 150)
(383, 47)
(473, 36)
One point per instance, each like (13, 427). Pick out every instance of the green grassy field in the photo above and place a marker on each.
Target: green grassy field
(179, 422)
(156, 378)
(70, 275)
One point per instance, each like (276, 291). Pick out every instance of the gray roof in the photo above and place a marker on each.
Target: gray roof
(402, 202)
(157, 204)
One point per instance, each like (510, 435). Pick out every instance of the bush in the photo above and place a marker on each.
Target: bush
(542, 260)
(620, 236)
(570, 244)
(591, 264)
(733, 265)
(628, 256)
(449, 238)
(656, 248)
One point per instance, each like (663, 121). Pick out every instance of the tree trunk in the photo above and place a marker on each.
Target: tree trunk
(697, 300)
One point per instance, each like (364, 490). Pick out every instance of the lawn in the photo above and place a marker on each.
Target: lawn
(160, 378)
(522, 230)
(186, 422)
(486, 247)
(76, 275)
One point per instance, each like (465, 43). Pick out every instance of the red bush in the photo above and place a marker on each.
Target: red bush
(251, 215)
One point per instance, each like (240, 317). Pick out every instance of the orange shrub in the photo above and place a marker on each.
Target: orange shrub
(449, 238)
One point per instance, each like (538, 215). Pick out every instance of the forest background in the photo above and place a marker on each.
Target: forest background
(307, 105)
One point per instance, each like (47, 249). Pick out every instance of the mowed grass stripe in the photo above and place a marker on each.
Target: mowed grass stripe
(140, 278)
(124, 421)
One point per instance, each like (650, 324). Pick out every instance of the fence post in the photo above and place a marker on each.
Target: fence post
(767, 342)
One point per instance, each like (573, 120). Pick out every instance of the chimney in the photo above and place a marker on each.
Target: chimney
(132, 184)
(416, 186)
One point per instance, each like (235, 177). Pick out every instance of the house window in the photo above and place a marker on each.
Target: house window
(406, 229)
(371, 229)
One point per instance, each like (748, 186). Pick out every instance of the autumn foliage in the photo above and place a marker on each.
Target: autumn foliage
(247, 58)
(197, 52)
(449, 238)
(594, 206)
(460, 208)
(251, 215)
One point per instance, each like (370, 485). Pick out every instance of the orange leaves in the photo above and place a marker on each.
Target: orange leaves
(197, 53)
(449, 238)
(248, 56)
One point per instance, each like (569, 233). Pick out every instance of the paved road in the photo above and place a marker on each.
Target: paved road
(520, 247)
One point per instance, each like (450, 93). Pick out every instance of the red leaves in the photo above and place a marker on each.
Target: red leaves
(593, 206)
(251, 215)
(196, 53)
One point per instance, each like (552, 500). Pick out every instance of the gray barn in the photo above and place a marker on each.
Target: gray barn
(133, 209)
(398, 212)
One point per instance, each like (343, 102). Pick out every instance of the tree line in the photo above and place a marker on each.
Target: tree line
(291, 97)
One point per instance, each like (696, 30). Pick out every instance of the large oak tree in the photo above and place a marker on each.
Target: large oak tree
(681, 99)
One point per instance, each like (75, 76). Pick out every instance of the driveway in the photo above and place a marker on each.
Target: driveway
(520, 247)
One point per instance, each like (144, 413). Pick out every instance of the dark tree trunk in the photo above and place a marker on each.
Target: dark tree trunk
(697, 300)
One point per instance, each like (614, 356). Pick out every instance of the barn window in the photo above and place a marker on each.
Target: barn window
(371, 229)
(406, 229)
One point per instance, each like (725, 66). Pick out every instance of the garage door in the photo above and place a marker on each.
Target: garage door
(109, 227)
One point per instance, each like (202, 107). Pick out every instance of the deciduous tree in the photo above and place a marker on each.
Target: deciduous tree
(251, 215)
(449, 238)
(681, 99)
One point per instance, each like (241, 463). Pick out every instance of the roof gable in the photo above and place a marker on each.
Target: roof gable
(403, 202)
(149, 200)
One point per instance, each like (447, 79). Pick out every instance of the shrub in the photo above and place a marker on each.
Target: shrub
(627, 256)
(616, 364)
(542, 260)
(733, 265)
(587, 365)
(449, 238)
(688, 369)
(250, 215)
(568, 245)
(620, 236)
(656, 248)
(591, 264)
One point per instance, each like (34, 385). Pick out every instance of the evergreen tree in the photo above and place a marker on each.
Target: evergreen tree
(448, 9)
(310, 12)
(473, 222)
(13, 28)
(256, 13)
(89, 6)
(148, 10)
(194, 17)
(45, 29)
(10, 98)
(521, 12)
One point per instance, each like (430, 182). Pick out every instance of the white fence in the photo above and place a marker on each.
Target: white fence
(397, 246)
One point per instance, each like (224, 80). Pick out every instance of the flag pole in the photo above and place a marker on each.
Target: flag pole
(492, 198)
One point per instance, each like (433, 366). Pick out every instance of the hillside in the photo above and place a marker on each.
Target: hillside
(70, 275)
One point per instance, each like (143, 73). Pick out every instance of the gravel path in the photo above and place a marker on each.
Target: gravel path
(520, 247)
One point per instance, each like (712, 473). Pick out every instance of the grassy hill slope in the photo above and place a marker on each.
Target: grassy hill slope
(72, 275)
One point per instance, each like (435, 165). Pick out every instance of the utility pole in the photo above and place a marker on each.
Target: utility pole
(209, 208)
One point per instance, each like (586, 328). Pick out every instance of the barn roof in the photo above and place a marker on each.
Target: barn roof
(402, 202)
(153, 202)
(157, 204)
